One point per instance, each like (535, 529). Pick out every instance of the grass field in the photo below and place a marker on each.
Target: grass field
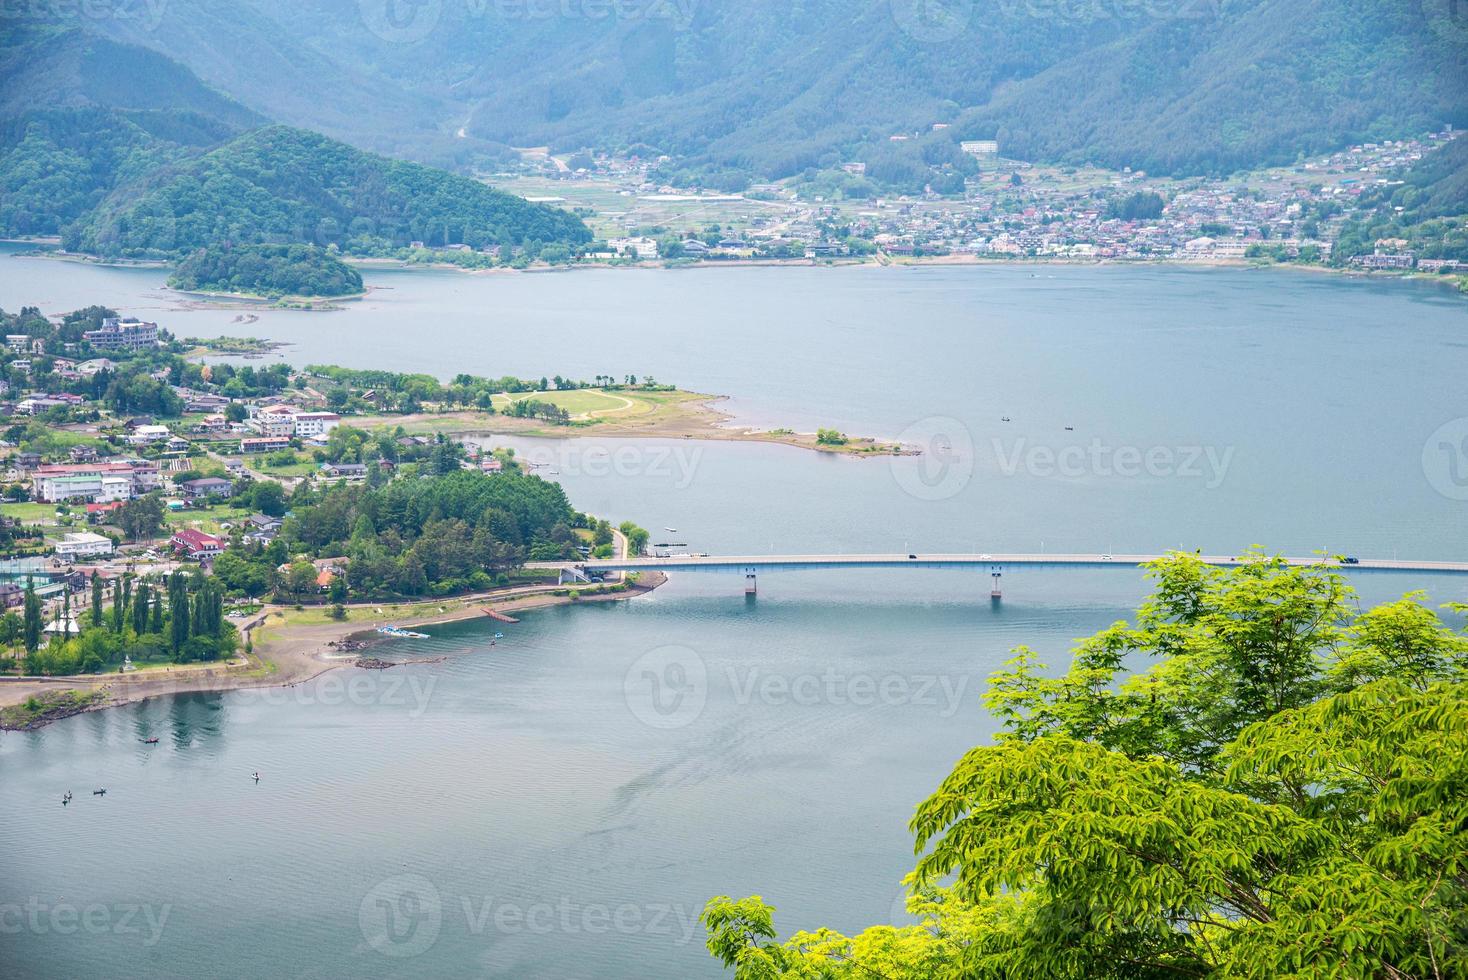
(36, 513)
(584, 403)
(205, 520)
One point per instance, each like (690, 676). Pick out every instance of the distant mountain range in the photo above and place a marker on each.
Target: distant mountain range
(769, 88)
(124, 152)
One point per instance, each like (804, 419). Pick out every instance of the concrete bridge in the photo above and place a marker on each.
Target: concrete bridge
(751, 565)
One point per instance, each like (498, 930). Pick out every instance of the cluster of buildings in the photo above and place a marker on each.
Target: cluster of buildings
(289, 421)
(1013, 209)
(95, 482)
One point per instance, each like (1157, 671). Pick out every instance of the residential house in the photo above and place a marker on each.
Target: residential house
(350, 472)
(262, 527)
(144, 435)
(264, 444)
(197, 544)
(209, 486)
(95, 366)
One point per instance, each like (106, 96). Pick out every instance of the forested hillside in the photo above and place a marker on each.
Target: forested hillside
(766, 88)
(81, 115)
(267, 270)
(123, 152)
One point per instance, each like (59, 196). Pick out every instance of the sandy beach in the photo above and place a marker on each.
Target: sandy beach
(287, 653)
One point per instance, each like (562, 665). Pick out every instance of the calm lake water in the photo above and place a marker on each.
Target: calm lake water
(562, 802)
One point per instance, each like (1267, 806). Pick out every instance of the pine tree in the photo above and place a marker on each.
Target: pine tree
(96, 599)
(140, 609)
(178, 607)
(117, 609)
(156, 624)
(32, 627)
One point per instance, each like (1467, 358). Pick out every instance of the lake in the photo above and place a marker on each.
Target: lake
(560, 802)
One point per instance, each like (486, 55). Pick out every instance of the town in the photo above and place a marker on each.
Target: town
(1007, 209)
(127, 461)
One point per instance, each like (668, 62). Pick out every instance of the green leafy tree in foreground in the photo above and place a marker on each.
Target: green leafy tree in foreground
(1282, 792)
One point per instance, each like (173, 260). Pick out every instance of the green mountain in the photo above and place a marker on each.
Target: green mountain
(759, 87)
(124, 152)
(284, 185)
(81, 115)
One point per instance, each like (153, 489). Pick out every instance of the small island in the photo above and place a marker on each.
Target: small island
(276, 272)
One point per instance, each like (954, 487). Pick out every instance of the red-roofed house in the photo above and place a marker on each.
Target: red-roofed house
(197, 544)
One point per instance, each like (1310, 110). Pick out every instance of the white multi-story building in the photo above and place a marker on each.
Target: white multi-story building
(81, 544)
(312, 424)
(94, 482)
(119, 333)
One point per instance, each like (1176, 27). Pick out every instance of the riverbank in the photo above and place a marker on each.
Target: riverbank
(289, 647)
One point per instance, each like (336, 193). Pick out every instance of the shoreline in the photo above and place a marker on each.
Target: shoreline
(329, 304)
(287, 653)
(696, 420)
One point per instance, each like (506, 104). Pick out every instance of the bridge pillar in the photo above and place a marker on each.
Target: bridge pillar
(996, 593)
(750, 586)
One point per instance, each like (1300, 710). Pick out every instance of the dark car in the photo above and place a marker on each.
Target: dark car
(1350, 560)
(912, 556)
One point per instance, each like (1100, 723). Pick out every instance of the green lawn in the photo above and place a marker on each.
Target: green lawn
(205, 520)
(302, 467)
(582, 402)
(36, 513)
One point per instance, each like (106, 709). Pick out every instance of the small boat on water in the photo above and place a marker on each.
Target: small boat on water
(66, 799)
(99, 792)
(401, 633)
(671, 530)
(499, 636)
(151, 741)
(256, 775)
(1004, 419)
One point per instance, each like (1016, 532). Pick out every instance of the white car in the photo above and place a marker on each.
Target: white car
(1105, 557)
(986, 558)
